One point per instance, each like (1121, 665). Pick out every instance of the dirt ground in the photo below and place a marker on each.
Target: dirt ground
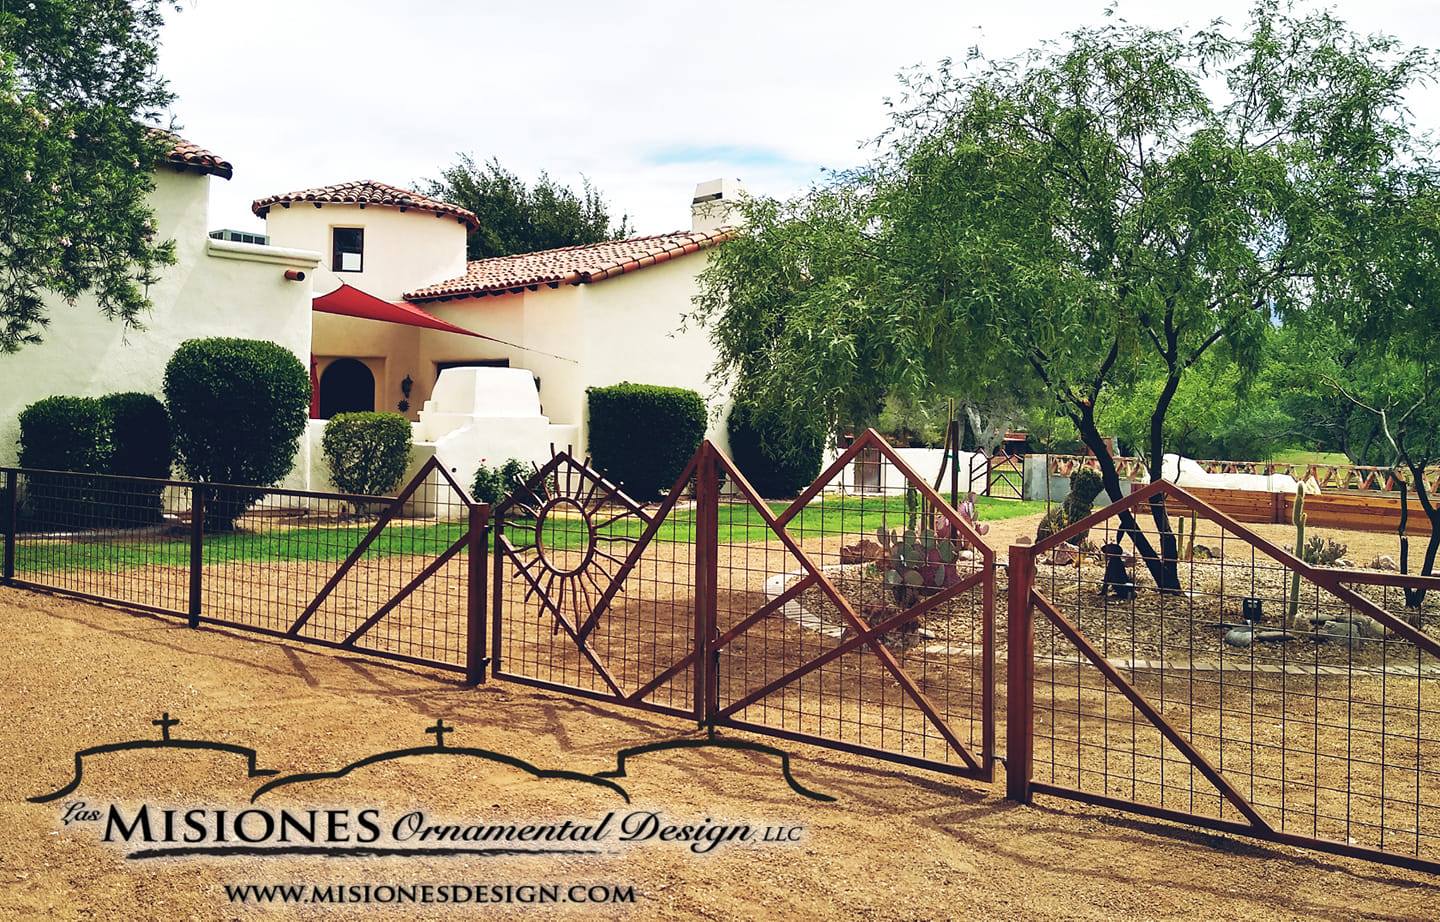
(895, 844)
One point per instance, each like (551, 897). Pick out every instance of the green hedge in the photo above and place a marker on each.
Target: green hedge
(64, 434)
(125, 434)
(641, 435)
(142, 446)
(239, 408)
(777, 460)
(367, 452)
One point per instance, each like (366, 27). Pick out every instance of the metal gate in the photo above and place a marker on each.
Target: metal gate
(1264, 695)
(397, 577)
(860, 616)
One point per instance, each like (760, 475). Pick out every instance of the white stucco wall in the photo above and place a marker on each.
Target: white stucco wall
(628, 328)
(214, 289)
(404, 250)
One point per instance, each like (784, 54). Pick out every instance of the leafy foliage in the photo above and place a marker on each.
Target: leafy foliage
(367, 452)
(66, 434)
(78, 82)
(142, 445)
(1097, 212)
(777, 460)
(239, 408)
(141, 440)
(492, 484)
(63, 434)
(642, 435)
(519, 218)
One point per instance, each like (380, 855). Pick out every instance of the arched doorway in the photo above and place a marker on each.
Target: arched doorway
(346, 386)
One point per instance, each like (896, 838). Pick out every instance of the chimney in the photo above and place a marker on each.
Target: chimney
(714, 205)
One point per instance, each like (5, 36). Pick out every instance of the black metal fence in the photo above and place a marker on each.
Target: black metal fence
(387, 576)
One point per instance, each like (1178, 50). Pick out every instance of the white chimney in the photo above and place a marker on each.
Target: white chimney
(714, 205)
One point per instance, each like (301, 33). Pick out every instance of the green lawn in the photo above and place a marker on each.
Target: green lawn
(740, 523)
(1302, 456)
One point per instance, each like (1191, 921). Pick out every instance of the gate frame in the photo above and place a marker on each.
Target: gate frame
(1025, 598)
(705, 469)
(472, 540)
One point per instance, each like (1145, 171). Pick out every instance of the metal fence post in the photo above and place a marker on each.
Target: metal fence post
(12, 523)
(197, 550)
(1020, 676)
(476, 595)
(707, 541)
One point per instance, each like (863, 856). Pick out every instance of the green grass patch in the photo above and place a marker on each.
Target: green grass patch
(1303, 456)
(740, 523)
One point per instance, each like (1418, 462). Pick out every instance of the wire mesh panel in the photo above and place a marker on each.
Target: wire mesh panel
(379, 575)
(1235, 684)
(858, 616)
(122, 539)
(374, 574)
(594, 592)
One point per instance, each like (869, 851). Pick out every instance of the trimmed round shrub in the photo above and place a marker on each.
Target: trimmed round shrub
(777, 460)
(64, 434)
(641, 435)
(367, 452)
(141, 446)
(238, 407)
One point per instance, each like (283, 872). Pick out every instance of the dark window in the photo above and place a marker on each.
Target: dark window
(348, 253)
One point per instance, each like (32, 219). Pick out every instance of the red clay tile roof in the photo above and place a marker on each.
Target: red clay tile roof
(575, 265)
(366, 192)
(184, 155)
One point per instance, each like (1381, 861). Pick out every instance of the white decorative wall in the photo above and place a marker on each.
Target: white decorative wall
(214, 289)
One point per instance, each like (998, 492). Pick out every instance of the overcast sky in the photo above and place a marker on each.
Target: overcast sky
(646, 99)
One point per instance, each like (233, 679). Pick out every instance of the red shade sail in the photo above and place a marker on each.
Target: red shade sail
(349, 301)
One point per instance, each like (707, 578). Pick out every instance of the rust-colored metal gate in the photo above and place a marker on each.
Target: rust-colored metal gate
(860, 616)
(1266, 696)
(396, 577)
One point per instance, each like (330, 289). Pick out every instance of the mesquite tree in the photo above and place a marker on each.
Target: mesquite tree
(1110, 207)
(77, 84)
(1371, 337)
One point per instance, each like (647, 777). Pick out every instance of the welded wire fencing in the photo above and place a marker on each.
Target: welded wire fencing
(387, 576)
(1217, 679)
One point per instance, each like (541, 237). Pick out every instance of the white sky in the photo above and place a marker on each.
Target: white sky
(646, 99)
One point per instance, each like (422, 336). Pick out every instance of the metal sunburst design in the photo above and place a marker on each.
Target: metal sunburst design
(566, 537)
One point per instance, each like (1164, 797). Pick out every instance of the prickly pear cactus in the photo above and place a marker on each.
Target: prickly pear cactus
(916, 560)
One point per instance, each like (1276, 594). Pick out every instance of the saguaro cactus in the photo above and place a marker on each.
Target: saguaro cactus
(1299, 519)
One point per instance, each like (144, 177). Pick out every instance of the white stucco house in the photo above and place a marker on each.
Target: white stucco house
(215, 288)
(368, 284)
(397, 304)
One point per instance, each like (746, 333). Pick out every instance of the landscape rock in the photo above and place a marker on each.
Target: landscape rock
(1383, 562)
(1346, 632)
(1240, 637)
(1063, 556)
(1369, 627)
(864, 551)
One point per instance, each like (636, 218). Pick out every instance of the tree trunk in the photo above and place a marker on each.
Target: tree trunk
(1110, 477)
(1414, 598)
(1169, 580)
(987, 440)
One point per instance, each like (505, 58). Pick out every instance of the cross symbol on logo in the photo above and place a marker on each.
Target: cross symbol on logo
(439, 730)
(165, 723)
